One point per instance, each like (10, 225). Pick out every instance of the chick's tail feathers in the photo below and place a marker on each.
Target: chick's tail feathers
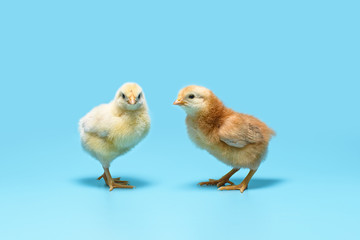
(272, 132)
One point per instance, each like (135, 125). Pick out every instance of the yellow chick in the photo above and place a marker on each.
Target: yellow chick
(237, 139)
(110, 130)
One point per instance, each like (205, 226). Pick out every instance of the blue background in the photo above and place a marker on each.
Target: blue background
(293, 64)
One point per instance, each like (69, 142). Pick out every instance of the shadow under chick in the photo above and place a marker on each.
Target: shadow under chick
(93, 182)
(256, 183)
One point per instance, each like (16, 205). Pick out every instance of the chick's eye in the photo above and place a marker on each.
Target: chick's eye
(191, 96)
(123, 96)
(139, 96)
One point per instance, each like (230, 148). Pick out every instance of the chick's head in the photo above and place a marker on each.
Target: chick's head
(194, 99)
(130, 97)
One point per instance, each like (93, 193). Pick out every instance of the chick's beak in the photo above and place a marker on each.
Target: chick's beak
(179, 101)
(132, 100)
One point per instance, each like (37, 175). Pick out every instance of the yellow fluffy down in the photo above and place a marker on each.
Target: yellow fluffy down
(108, 131)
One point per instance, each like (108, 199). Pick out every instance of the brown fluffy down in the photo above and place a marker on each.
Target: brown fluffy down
(237, 139)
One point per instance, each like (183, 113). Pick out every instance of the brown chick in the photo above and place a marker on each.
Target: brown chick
(237, 139)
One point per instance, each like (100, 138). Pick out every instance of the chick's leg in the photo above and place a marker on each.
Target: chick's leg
(113, 182)
(243, 185)
(221, 181)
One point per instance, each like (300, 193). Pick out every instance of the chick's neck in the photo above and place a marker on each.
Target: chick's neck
(210, 117)
(117, 111)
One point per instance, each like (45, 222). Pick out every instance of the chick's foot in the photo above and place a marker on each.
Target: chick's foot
(113, 182)
(116, 180)
(118, 185)
(222, 181)
(242, 187)
(218, 183)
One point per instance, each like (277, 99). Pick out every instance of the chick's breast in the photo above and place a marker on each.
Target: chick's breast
(106, 136)
(130, 130)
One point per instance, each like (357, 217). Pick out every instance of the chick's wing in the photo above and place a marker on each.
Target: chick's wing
(237, 131)
(97, 121)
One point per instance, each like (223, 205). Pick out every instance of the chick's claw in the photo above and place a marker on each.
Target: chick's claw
(218, 183)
